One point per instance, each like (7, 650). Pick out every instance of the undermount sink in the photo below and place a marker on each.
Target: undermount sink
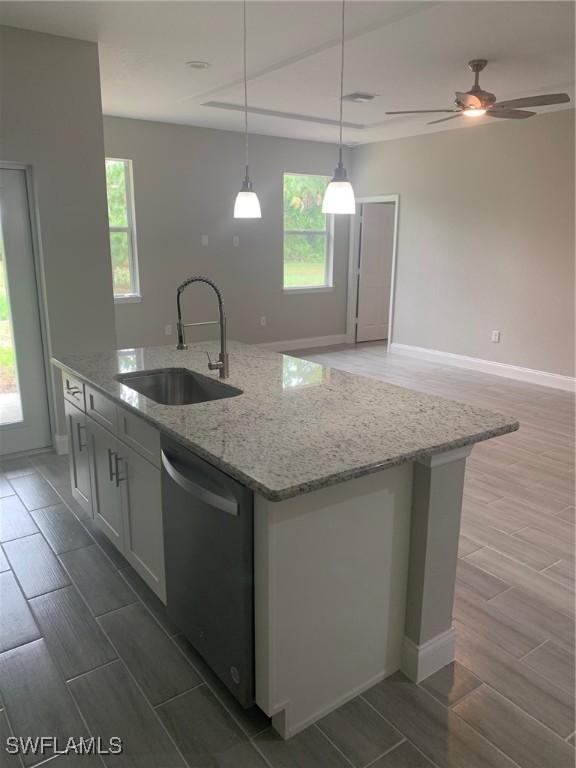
(177, 386)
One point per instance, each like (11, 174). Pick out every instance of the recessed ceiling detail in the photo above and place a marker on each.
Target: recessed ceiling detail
(282, 115)
(397, 49)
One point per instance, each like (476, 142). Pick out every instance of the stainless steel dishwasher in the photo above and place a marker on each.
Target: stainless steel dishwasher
(208, 545)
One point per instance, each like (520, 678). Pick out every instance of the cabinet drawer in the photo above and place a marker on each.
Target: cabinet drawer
(101, 409)
(141, 436)
(73, 391)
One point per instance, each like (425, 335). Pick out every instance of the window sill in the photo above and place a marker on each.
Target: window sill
(129, 299)
(310, 289)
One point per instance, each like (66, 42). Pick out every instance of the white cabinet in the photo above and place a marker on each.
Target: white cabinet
(142, 516)
(74, 391)
(79, 459)
(101, 409)
(105, 467)
(115, 475)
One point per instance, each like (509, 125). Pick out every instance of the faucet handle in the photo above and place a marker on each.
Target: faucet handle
(212, 366)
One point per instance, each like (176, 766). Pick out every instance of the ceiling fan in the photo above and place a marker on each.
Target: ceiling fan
(477, 102)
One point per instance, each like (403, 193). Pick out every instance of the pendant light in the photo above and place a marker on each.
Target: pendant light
(339, 195)
(247, 205)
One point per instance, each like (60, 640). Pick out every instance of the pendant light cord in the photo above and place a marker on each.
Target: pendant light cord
(341, 84)
(245, 90)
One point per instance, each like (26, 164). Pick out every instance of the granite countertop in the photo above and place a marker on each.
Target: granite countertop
(298, 426)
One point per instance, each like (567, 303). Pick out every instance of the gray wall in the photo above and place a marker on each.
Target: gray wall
(486, 238)
(185, 182)
(51, 119)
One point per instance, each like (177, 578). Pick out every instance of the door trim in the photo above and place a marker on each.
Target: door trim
(40, 287)
(352, 270)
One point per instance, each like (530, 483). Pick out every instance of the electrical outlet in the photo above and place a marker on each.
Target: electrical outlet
(495, 337)
(235, 241)
(263, 320)
(204, 240)
(168, 330)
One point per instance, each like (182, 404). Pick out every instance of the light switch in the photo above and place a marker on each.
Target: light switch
(496, 337)
(236, 241)
(204, 240)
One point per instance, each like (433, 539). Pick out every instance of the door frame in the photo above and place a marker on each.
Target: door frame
(40, 286)
(352, 300)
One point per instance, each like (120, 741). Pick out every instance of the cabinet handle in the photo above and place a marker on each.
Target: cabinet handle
(80, 426)
(117, 460)
(110, 470)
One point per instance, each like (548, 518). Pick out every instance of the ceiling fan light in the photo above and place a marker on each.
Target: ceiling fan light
(473, 112)
(247, 205)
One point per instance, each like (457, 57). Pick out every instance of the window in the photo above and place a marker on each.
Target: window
(308, 233)
(122, 230)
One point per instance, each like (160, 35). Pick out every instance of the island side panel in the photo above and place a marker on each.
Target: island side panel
(436, 511)
(330, 594)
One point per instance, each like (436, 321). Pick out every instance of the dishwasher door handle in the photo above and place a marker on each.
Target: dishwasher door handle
(190, 481)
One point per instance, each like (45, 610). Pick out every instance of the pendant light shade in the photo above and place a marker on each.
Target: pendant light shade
(247, 205)
(339, 195)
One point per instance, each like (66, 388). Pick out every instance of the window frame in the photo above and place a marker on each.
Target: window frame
(130, 229)
(328, 231)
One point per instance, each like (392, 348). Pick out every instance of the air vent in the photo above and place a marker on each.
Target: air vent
(359, 97)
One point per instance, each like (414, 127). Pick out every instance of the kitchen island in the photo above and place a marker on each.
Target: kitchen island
(357, 492)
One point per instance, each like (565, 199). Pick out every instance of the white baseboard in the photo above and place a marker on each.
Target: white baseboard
(308, 343)
(61, 444)
(421, 661)
(530, 375)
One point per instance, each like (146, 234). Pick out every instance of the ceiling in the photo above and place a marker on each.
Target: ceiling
(412, 55)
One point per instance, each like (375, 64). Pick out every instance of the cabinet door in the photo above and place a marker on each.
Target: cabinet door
(105, 473)
(78, 456)
(142, 510)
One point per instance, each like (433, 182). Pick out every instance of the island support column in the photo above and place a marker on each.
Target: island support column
(438, 483)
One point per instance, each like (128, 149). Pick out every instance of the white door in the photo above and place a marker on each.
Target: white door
(24, 419)
(375, 271)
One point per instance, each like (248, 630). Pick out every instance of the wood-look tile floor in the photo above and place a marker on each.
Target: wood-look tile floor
(87, 649)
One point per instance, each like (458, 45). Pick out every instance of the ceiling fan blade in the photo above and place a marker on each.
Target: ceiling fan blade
(515, 114)
(468, 100)
(534, 101)
(443, 119)
(419, 111)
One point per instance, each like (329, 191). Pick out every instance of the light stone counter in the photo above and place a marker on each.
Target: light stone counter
(357, 500)
(298, 426)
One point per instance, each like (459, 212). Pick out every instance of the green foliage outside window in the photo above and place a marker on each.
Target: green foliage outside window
(120, 236)
(305, 230)
(120, 252)
(116, 186)
(8, 378)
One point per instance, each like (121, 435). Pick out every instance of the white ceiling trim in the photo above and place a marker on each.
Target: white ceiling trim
(282, 115)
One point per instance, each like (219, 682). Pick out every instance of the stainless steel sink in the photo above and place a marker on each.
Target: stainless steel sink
(177, 386)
